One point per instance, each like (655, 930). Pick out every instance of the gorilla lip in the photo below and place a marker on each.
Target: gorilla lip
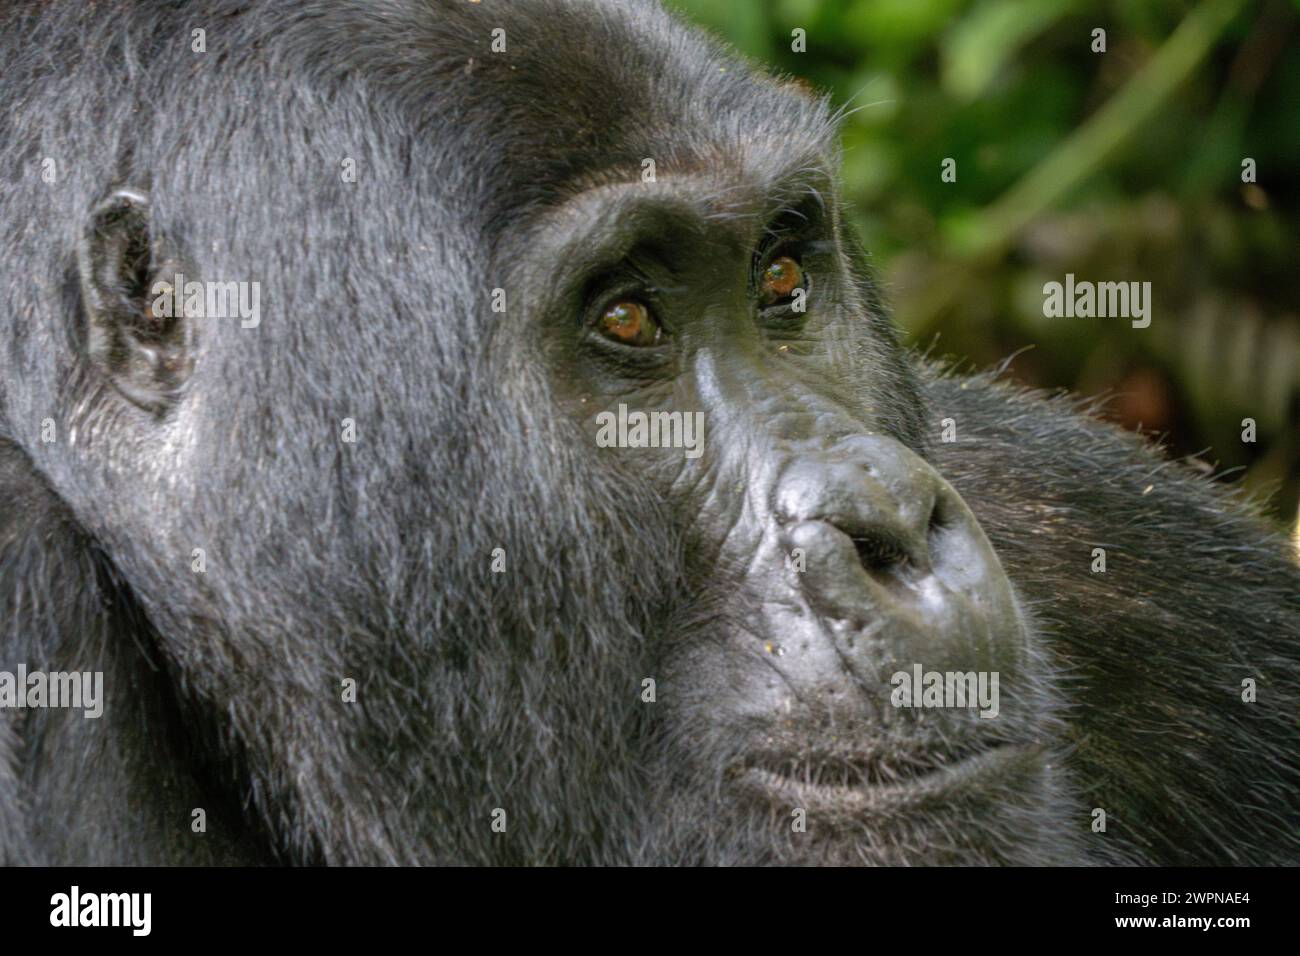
(864, 784)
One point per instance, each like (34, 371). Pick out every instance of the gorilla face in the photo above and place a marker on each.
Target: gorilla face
(400, 479)
(823, 553)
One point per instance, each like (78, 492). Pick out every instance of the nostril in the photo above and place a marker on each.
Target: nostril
(879, 552)
(939, 517)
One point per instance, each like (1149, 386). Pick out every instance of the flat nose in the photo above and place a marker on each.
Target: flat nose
(872, 508)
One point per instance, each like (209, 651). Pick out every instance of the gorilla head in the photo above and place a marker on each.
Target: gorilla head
(388, 592)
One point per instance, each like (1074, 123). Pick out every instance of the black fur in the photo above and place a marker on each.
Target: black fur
(370, 561)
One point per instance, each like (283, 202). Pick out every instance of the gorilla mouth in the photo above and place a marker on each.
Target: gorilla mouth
(883, 781)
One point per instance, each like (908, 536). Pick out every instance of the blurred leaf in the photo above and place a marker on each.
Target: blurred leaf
(883, 24)
(744, 24)
(977, 48)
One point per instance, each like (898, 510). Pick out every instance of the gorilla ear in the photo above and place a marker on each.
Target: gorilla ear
(135, 332)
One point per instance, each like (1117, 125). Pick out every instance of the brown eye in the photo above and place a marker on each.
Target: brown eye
(630, 322)
(781, 277)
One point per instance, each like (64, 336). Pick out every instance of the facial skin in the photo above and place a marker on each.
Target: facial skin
(624, 654)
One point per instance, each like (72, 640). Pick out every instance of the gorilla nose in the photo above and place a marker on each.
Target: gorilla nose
(878, 546)
(872, 518)
(876, 515)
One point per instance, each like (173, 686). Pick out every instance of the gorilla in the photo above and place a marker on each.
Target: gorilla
(441, 432)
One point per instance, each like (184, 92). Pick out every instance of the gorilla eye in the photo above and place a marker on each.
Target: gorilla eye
(779, 280)
(630, 322)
